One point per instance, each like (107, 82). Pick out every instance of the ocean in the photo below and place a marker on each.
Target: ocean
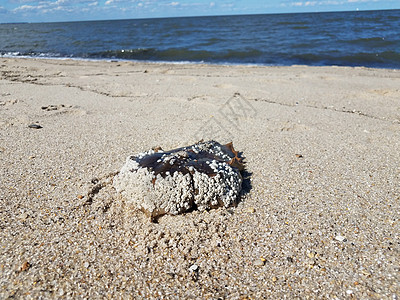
(362, 38)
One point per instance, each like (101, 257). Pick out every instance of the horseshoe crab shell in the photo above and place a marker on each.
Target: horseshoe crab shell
(201, 176)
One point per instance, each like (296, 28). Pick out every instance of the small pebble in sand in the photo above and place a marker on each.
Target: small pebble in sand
(50, 107)
(24, 216)
(194, 268)
(340, 238)
(251, 210)
(25, 266)
(259, 262)
(35, 126)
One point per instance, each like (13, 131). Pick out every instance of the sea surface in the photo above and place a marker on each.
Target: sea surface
(362, 38)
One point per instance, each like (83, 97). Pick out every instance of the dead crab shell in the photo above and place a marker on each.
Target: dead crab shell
(201, 176)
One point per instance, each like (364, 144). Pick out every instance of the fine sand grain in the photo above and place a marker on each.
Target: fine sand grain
(319, 215)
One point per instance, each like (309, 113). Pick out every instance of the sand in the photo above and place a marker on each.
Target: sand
(318, 218)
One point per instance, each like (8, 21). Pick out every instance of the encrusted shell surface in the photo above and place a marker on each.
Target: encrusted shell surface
(201, 176)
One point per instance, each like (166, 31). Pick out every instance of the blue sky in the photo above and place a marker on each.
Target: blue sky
(74, 10)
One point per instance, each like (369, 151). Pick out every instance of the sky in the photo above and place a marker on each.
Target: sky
(78, 10)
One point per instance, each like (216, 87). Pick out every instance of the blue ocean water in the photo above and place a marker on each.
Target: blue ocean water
(363, 38)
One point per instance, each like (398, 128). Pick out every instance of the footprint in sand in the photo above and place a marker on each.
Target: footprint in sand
(8, 102)
(63, 109)
(52, 107)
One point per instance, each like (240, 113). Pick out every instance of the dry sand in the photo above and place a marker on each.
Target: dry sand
(319, 216)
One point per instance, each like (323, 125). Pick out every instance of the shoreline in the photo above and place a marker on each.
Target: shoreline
(226, 64)
(320, 218)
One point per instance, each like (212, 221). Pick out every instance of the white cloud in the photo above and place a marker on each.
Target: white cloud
(22, 1)
(108, 2)
(361, 1)
(324, 2)
(174, 4)
(296, 4)
(24, 8)
(45, 7)
(314, 3)
(227, 5)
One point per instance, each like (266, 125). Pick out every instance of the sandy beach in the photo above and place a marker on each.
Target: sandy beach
(320, 212)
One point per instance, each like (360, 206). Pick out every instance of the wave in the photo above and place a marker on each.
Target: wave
(177, 54)
(384, 59)
(300, 23)
(379, 59)
(152, 54)
(371, 42)
(33, 54)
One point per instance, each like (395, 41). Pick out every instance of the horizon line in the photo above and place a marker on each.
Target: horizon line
(202, 16)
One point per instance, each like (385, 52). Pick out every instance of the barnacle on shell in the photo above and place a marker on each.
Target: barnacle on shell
(201, 176)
